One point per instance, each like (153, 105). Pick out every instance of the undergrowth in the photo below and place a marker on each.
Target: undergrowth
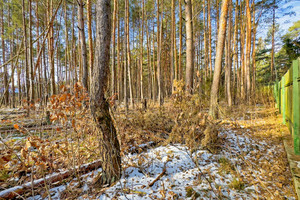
(181, 120)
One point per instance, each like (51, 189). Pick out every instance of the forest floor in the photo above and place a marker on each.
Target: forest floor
(172, 152)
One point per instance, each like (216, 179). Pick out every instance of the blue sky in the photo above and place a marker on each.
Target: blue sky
(287, 21)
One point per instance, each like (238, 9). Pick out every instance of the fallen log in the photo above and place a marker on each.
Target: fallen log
(38, 128)
(28, 125)
(18, 190)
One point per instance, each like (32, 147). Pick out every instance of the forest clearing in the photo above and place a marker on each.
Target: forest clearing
(149, 99)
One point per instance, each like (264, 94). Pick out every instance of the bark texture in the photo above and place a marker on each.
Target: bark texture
(189, 47)
(83, 44)
(218, 60)
(110, 148)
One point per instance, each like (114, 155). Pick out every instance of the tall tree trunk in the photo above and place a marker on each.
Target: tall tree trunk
(19, 84)
(235, 51)
(218, 62)
(154, 79)
(150, 74)
(205, 41)
(128, 55)
(159, 38)
(110, 147)
(253, 51)
(273, 42)
(118, 56)
(242, 49)
(248, 50)
(90, 39)
(217, 19)
(142, 52)
(209, 38)
(180, 76)
(26, 52)
(38, 64)
(74, 56)
(67, 43)
(12, 40)
(174, 47)
(6, 92)
(51, 47)
(113, 66)
(82, 44)
(189, 46)
(228, 57)
(31, 54)
(173, 71)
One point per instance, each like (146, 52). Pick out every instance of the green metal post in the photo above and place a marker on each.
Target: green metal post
(296, 107)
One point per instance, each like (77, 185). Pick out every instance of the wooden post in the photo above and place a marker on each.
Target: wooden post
(296, 107)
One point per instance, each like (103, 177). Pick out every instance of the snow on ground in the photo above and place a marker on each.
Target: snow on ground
(200, 174)
(200, 170)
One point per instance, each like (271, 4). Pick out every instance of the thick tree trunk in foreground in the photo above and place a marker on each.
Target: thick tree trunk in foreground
(189, 47)
(218, 61)
(110, 148)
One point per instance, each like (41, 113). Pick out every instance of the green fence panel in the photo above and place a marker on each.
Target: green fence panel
(296, 109)
(283, 100)
(287, 96)
(276, 95)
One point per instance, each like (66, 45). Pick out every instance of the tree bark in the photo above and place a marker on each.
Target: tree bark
(90, 39)
(128, 54)
(110, 148)
(26, 52)
(180, 75)
(159, 40)
(205, 42)
(242, 49)
(31, 54)
(126, 58)
(67, 43)
(51, 48)
(209, 38)
(142, 52)
(113, 59)
(218, 62)
(253, 51)
(248, 50)
(189, 47)
(228, 57)
(6, 93)
(273, 43)
(82, 44)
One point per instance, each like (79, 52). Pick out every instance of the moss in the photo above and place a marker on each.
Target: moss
(190, 192)
(4, 175)
(226, 166)
(237, 184)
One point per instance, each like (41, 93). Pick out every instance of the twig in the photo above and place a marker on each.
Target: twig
(159, 176)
